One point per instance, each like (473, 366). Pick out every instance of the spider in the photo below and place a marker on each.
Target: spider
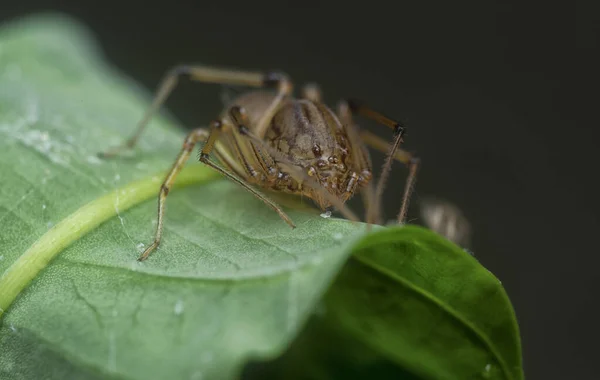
(272, 140)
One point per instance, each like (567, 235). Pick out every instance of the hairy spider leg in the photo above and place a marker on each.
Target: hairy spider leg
(208, 74)
(407, 158)
(351, 107)
(210, 137)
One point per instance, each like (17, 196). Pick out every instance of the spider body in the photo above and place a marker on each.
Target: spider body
(308, 134)
(271, 140)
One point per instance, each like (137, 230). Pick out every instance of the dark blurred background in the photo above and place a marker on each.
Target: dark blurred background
(497, 97)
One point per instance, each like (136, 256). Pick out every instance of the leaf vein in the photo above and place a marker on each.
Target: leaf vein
(370, 264)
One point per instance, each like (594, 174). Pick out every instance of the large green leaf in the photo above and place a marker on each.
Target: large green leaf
(230, 281)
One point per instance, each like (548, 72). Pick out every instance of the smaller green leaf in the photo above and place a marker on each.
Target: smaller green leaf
(324, 352)
(428, 305)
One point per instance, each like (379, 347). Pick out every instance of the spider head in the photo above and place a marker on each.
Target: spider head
(333, 181)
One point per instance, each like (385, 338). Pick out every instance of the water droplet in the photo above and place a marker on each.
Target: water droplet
(93, 160)
(179, 307)
(486, 374)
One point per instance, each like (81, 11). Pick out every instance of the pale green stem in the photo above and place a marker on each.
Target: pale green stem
(82, 221)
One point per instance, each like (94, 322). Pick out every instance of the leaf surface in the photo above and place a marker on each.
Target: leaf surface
(230, 281)
(428, 305)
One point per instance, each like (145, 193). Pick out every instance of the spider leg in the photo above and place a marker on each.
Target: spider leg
(210, 137)
(351, 107)
(407, 158)
(205, 158)
(361, 159)
(208, 74)
(312, 92)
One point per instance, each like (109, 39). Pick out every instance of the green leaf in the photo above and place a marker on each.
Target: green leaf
(426, 304)
(230, 282)
(325, 352)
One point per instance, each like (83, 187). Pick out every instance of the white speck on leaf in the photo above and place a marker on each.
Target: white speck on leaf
(326, 214)
(46, 176)
(49, 225)
(41, 141)
(179, 307)
(338, 236)
(316, 260)
(135, 265)
(488, 367)
(43, 207)
(93, 160)
(118, 212)
(1, 257)
(12, 328)
(140, 246)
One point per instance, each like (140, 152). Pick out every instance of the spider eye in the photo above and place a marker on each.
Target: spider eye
(316, 150)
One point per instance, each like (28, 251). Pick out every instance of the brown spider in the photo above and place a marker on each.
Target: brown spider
(277, 142)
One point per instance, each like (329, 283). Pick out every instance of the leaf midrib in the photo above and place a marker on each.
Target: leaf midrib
(79, 223)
